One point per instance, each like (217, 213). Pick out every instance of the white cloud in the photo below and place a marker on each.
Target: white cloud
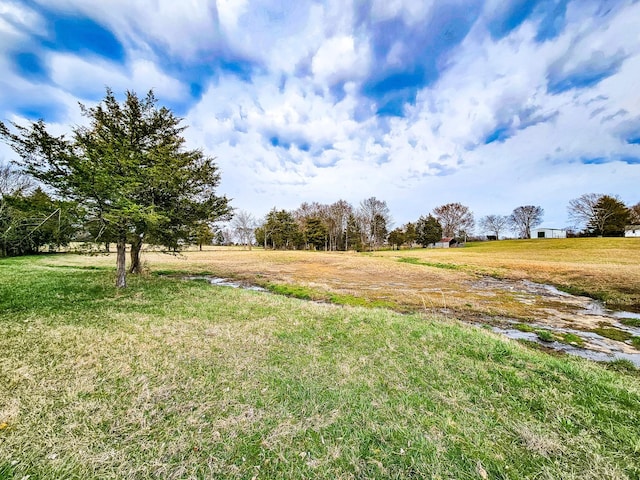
(411, 11)
(338, 59)
(88, 77)
(333, 149)
(24, 18)
(182, 29)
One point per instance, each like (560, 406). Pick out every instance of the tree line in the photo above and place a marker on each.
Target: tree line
(341, 226)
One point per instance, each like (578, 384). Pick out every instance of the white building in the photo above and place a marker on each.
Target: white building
(632, 231)
(548, 233)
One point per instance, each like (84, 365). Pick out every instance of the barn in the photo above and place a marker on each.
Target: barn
(446, 242)
(632, 231)
(548, 233)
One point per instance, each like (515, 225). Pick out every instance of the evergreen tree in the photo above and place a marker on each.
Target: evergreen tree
(130, 170)
(428, 230)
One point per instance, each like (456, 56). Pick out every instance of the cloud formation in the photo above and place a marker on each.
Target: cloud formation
(490, 103)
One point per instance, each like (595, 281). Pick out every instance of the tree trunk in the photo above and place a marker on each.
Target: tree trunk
(121, 276)
(107, 247)
(136, 245)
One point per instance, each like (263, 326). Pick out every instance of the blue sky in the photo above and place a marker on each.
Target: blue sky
(490, 103)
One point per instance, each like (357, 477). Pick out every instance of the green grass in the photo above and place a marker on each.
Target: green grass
(524, 327)
(630, 322)
(545, 335)
(612, 333)
(548, 336)
(571, 339)
(296, 291)
(175, 379)
(307, 293)
(417, 261)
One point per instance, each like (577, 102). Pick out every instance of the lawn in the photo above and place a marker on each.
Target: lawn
(181, 379)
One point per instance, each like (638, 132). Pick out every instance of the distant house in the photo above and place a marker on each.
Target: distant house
(548, 233)
(446, 242)
(632, 231)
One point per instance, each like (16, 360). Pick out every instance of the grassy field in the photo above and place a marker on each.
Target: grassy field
(607, 269)
(179, 379)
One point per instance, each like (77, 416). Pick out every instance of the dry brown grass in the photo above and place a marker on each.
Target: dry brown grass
(442, 280)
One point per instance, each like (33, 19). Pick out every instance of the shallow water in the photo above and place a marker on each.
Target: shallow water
(626, 315)
(225, 282)
(598, 356)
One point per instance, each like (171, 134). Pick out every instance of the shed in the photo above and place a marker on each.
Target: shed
(548, 233)
(632, 231)
(446, 242)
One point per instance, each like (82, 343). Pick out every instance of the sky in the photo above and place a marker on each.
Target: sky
(490, 103)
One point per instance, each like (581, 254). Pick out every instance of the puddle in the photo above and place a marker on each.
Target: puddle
(596, 308)
(635, 316)
(542, 288)
(606, 350)
(560, 312)
(225, 282)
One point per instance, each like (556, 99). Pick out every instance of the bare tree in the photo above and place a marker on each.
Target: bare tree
(14, 182)
(596, 212)
(339, 214)
(583, 209)
(634, 214)
(244, 225)
(376, 221)
(524, 218)
(494, 224)
(226, 235)
(455, 218)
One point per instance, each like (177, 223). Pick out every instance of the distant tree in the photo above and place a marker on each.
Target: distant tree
(128, 169)
(281, 230)
(428, 230)
(353, 234)
(218, 236)
(317, 220)
(29, 222)
(203, 235)
(599, 214)
(315, 232)
(611, 217)
(222, 235)
(455, 219)
(376, 221)
(634, 214)
(244, 225)
(410, 234)
(379, 230)
(583, 209)
(14, 182)
(524, 218)
(338, 213)
(397, 238)
(494, 224)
